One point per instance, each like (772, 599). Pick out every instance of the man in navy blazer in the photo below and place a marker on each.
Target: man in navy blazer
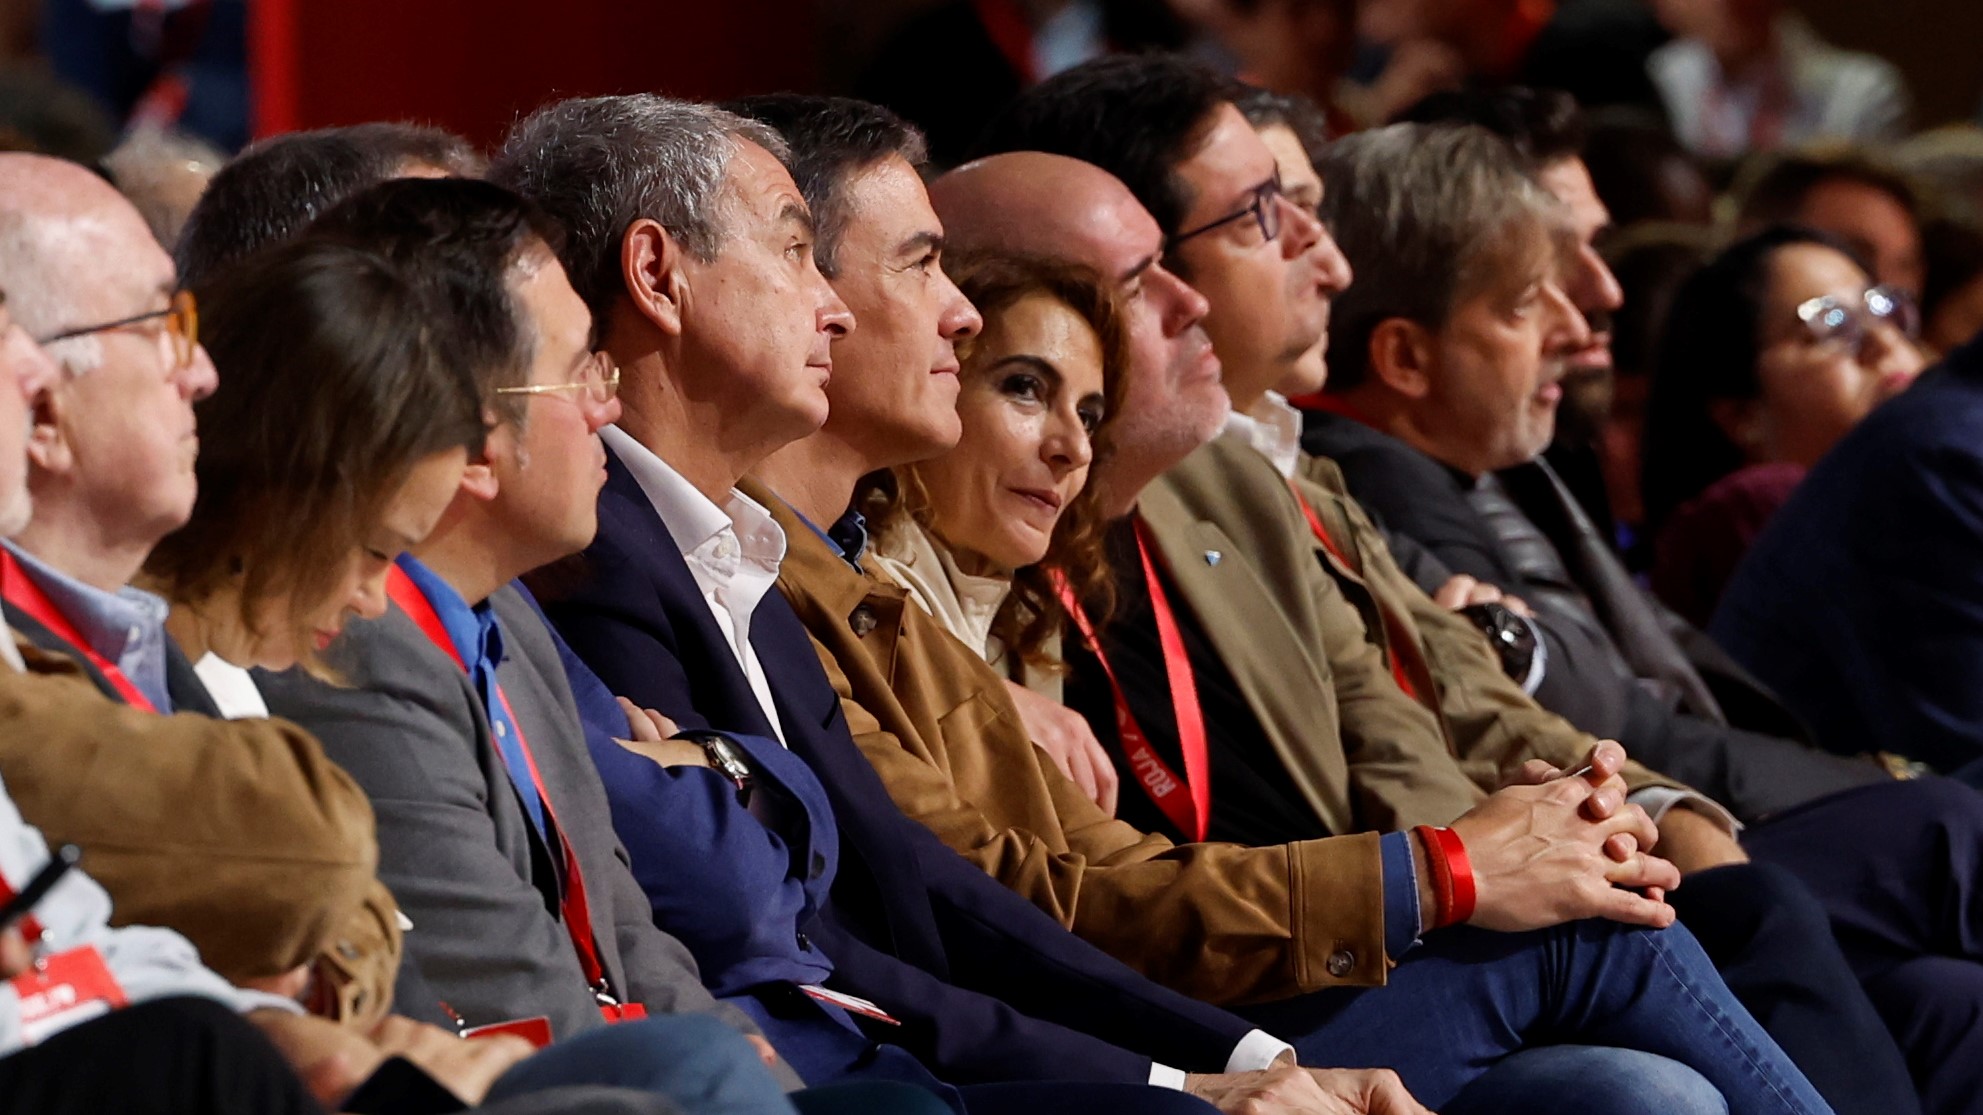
(724, 354)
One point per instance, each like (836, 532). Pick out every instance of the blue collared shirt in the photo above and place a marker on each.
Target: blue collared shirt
(126, 627)
(478, 639)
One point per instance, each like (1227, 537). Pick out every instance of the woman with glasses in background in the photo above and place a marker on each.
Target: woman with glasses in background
(1768, 356)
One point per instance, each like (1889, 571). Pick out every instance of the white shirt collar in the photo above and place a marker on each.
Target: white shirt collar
(1273, 427)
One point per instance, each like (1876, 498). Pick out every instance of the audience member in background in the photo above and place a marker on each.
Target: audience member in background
(1846, 192)
(1750, 75)
(989, 50)
(163, 174)
(1292, 129)
(1769, 355)
(1304, 49)
(1952, 294)
(1650, 262)
(968, 531)
(276, 187)
(1948, 162)
(1594, 50)
(1641, 173)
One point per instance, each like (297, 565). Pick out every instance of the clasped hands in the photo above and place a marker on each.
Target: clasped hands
(1551, 847)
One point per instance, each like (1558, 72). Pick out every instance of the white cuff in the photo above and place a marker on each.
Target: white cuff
(1256, 1051)
(1538, 662)
(1656, 800)
(1164, 1076)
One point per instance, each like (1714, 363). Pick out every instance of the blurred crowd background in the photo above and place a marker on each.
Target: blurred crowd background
(1706, 119)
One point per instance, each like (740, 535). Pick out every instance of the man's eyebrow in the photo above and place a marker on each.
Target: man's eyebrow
(1136, 272)
(795, 213)
(921, 242)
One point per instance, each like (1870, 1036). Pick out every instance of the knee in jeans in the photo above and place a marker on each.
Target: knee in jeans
(1590, 1080)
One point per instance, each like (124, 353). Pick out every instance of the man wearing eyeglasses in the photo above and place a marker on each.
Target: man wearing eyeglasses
(113, 442)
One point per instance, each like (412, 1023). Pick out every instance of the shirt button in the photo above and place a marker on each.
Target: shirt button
(818, 865)
(863, 620)
(1341, 963)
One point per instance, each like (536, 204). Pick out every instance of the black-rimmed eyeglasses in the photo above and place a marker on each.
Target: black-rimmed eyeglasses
(1265, 209)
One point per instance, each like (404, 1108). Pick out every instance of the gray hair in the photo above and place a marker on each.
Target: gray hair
(1427, 215)
(599, 164)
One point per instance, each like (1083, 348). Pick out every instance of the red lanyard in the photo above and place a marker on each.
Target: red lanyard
(577, 914)
(1395, 633)
(30, 927)
(21, 591)
(1155, 776)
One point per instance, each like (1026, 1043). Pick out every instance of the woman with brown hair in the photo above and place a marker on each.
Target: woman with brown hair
(336, 439)
(980, 534)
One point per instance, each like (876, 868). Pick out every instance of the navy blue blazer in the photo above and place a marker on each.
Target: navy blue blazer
(988, 987)
(1861, 603)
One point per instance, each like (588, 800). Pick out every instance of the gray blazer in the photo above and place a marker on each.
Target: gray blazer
(455, 846)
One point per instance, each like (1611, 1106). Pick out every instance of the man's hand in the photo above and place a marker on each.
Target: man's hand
(1066, 738)
(16, 956)
(1288, 1090)
(1546, 851)
(651, 732)
(1694, 842)
(1461, 591)
(289, 985)
(466, 1068)
(331, 1060)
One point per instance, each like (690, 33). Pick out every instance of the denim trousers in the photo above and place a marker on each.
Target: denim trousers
(1464, 999)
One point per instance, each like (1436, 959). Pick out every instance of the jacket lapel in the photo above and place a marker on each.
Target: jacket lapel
(1272, 667)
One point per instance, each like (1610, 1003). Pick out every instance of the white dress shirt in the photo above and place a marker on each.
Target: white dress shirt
(732, 551)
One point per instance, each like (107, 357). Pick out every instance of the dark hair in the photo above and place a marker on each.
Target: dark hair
(1651, 263)
(1031, 615)
(1544, 125)
(1264, 108)
(1954, 253)
(832, 139)
(333, 386)
(1136, 117)
(458, 239)
(276, 187)
(1642, 173)
(1771, 191)
(1708, 350)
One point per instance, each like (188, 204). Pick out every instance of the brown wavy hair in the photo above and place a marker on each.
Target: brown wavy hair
(334, 384)
(1032, 614)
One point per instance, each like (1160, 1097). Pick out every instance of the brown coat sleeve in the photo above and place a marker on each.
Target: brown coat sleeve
(239, 834)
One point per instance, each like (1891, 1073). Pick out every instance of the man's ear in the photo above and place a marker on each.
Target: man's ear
(1403, 357)
(479, 479)
(48, 439)
(651, 271)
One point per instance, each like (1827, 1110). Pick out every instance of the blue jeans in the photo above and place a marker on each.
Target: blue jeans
(1466, 998)
(1587, 1080)
(701, 1064)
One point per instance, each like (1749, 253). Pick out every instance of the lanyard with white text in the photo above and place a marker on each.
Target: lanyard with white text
(1186, 801)
(577, 914)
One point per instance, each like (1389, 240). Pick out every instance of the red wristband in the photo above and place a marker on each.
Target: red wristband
(1442, 877)
(1459, 872)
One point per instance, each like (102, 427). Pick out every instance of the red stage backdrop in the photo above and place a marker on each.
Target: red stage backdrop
(474, 65)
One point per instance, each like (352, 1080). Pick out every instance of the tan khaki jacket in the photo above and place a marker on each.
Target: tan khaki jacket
(1300, 629)
(1220, 922)
(239, 834)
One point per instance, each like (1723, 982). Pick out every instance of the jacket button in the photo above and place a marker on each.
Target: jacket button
(818, 865)
(805, 943)
(862, 621)
(1341, 963)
